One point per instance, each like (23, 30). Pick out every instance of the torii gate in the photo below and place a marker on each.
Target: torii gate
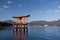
(20, 22)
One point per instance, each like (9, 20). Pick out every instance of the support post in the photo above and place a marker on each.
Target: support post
(16, 24)
(13, 27)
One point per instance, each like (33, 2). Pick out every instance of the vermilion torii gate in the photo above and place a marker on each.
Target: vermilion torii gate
(20, 22)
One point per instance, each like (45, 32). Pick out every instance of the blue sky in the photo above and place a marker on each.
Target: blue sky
(38, 9)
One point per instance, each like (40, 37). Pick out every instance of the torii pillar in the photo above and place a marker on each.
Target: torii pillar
(20, 22)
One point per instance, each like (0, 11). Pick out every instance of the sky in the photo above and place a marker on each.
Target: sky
(38, 9)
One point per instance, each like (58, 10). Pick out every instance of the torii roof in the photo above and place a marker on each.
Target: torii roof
(20, 16)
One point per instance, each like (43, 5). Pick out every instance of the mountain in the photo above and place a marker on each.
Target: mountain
(9, 21)
(5, 24)
(42, 23)
(32, 23)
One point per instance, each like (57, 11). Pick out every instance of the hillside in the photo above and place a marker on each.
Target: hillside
(42, 23)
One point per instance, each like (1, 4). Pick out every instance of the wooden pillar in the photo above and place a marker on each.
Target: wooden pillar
(16, 24)
(13, 27)
(27, 26)
(20, 28)
(24, 28)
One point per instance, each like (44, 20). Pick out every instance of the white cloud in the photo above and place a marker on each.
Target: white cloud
(58, 6)
(9, 1)
(19, 5)
(5, 6)
(55, 2)
(40, 0)
(49, 10)
(1, 9)
(40, 11)
(55, 11)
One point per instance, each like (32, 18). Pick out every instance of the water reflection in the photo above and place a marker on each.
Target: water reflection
(33, 33)
(20, 35)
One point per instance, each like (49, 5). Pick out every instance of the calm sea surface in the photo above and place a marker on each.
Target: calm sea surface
(33, 33)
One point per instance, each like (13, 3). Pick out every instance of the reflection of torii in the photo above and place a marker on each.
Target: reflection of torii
(21, 35)
(20, 20)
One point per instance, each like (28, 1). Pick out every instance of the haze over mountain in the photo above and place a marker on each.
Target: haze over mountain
(42, 23)
(8, 21)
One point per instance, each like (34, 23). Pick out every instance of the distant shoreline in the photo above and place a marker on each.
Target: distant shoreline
(43, 25)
